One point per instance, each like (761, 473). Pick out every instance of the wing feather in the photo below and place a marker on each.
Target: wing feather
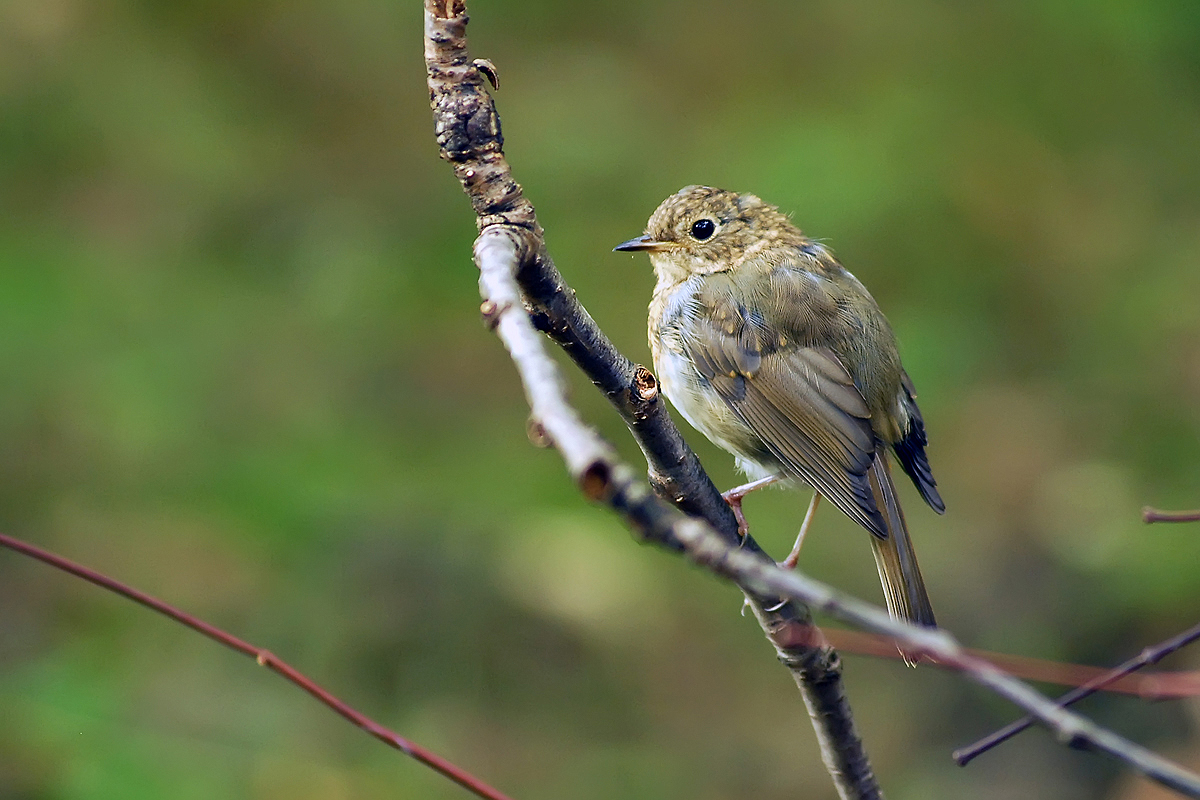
(800, 402)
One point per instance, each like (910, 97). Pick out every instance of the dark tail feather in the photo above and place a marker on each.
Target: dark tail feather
(903, 586)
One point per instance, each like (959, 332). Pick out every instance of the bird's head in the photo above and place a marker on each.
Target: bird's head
(700, 230)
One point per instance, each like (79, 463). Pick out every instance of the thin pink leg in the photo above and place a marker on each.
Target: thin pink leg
(794, 556)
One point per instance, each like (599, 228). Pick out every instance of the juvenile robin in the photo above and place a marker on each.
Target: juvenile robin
(771, 349)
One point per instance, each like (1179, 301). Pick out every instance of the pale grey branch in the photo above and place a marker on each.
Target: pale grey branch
(1069, 728)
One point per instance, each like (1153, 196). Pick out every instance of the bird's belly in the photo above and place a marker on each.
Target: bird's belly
(705, 411)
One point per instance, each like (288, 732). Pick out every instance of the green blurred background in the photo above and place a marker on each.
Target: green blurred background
(241, 367)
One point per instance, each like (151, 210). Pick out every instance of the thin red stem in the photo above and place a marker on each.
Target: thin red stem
(1156, 686)
(1087, 679)
(266, 659)
(1154, 515)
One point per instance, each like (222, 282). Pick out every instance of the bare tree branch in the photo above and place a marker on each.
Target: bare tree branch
(265, 658)
(1154, 515)
(468, 134)
(1070, 728)
(514, 265)
(1154, 686)
(1148, 656)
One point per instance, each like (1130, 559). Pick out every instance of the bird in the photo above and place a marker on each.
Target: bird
(775, 352)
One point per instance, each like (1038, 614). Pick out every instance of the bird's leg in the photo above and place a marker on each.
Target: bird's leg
(734, 498)
(794, 556)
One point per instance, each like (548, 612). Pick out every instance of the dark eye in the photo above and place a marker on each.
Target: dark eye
(703, 229)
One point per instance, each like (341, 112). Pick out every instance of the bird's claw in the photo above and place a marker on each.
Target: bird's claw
(735, 505)
(734, 498)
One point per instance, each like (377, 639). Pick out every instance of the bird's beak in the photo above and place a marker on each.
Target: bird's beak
(641, 243)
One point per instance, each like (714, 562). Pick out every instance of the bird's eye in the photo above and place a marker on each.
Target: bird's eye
(703, 229)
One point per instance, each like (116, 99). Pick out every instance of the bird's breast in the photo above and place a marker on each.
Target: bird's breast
(689, 391)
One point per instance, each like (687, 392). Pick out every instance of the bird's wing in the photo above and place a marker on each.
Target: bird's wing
(911, 449)
(799, 400)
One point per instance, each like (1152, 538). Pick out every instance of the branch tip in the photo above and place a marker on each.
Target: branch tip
(1150, 514)
(645, 384)
(537, 434)
(447, 9)
(490, 311)
(596, 480)
(488, 70)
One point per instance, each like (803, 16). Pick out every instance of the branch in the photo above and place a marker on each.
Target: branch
(265, 658)
(1069, 728)
(1155, 686)
(1148, 656)
(1154, 515)
(518, 274)
(510, 253)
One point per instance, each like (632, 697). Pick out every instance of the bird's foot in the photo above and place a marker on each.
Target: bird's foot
(735, 505)
(735, 495)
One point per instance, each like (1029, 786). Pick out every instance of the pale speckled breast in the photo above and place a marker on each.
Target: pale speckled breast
(702, 407)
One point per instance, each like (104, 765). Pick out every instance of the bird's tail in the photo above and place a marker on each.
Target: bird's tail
(903, 586)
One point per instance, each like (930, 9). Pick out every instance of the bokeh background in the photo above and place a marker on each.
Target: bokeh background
(241, 367)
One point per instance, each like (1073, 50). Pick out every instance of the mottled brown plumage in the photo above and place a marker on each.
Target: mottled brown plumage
(772, 350)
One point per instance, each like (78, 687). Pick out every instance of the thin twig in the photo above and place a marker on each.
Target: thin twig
(1154, 515)
(468, 133)
(1150, 655)
(1155, 686)
(265, 658)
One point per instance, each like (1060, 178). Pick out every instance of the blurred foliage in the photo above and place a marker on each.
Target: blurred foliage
(241, 367)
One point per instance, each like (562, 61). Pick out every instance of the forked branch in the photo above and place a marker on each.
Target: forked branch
(521, 286)
(468, 134)
(1148, 656)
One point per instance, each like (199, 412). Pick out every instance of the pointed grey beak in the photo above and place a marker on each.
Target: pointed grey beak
(639, 243)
